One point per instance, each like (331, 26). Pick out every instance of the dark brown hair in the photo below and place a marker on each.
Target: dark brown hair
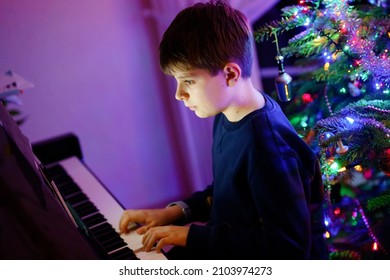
(207, 36)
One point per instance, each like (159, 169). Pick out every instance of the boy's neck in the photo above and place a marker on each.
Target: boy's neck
(246, 99)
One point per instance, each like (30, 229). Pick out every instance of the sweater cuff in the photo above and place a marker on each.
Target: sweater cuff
(184, 208)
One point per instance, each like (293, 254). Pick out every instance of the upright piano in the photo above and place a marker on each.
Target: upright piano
(53, 207)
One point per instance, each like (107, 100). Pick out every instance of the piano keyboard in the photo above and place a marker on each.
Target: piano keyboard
(98, 210)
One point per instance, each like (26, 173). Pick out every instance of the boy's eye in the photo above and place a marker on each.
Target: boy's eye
(188, 82)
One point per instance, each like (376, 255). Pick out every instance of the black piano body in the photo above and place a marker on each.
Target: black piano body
(44, 213)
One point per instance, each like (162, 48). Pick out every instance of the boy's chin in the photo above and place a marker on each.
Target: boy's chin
(202, 115)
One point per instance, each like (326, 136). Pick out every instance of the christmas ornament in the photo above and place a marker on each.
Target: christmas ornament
(324, 137)
(353, 90)
(283, 80)
(342, 149)
(323, 142)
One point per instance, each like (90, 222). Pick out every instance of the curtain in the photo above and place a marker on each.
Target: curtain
(190, 135)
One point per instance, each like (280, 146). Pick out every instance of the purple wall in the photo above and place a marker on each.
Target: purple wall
(95, 69)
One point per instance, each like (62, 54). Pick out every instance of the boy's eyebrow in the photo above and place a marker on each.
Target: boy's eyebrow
(184, 76)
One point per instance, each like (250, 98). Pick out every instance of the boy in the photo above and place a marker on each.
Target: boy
(265, 201)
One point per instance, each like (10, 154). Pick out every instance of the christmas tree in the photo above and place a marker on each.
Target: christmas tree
(341, 108)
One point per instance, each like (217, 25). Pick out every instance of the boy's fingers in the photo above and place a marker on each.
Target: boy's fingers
(142, 230)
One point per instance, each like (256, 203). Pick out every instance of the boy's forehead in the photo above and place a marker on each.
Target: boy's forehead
(180, 74)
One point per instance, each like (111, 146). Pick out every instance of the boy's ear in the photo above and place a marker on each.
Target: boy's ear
(231, 72)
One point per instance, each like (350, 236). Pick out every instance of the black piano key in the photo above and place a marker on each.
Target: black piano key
(111, 247)
(101, 229)
(85, 205)
(106, 235)
(61, 179)
(77, 199)
(94, 219)
(111, 237)
(108, 238)
(68, 188)
(85, 209)
(124, 253)
(55, 169)
(113, 244)
(68, 196)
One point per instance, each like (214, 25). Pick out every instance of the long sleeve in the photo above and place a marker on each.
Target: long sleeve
(266, 194)
(200, 204)
(281, 225)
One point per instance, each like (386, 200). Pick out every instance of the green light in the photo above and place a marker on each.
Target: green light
(334, 166)
(304, 121)
(364, 76)
(343, 90)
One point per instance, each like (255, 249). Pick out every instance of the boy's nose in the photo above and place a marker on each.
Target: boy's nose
(181, 94)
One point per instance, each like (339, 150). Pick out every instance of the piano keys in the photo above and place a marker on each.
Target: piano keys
(97, 209)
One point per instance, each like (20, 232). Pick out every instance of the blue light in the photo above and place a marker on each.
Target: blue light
(350, 120)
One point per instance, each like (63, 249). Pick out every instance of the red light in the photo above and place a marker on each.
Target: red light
(375, 246)
(306, 98)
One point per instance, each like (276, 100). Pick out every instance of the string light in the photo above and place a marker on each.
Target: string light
(327, 235)
(358, 168)
(334, 166)
(350, 120)
(376, 244)
(327, 100)
(342, 169)
(306, 98)
(326, 66)
(304, 121)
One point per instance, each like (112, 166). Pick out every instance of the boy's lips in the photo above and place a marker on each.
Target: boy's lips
(192, 108)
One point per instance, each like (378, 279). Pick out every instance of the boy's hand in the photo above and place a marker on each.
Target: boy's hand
(165, 235)
(148, 218)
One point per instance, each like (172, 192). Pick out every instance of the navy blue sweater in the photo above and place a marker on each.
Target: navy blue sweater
(266, 198)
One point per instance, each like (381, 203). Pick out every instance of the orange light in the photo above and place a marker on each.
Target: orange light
(327, 234)
(358, 168)
(326, 66)
(342, 169)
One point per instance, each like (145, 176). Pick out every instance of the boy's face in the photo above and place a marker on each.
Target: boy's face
(201, 92)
